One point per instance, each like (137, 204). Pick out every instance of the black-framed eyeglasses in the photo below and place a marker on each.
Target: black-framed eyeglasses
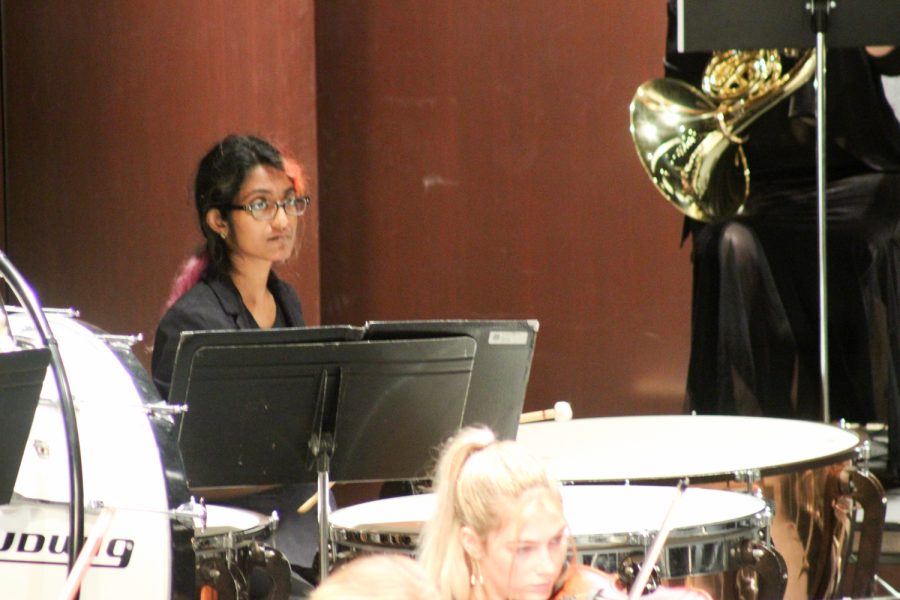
(265, 210)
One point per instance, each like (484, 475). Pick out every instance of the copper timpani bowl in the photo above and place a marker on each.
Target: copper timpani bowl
(808, 472)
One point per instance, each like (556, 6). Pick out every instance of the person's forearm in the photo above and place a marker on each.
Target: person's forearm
(879, 51)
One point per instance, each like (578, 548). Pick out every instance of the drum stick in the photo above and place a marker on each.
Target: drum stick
(561, 411)
(88, 551)
(312, 501)
(637, 588)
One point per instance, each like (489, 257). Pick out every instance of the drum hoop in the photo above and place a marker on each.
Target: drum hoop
(366, 539)
(205, 541)
(819, 462)
(684, 535)
(725, 539)
(727, 528)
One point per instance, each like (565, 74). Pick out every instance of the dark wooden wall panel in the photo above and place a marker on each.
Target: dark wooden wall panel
(475, 162)
(110, 106)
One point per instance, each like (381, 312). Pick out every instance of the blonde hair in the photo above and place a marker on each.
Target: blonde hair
(378, 576)
(476, 480)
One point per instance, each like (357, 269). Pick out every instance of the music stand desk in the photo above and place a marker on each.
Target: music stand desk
(22, 374)
(503, 356)
(253, 406)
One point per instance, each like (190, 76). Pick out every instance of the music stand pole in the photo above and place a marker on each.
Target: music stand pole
(321, 446)
(323, 522)
(819, 10)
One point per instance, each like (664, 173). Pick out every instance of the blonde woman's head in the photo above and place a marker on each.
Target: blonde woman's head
(495, 503)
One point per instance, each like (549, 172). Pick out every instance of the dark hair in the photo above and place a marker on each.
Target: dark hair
(220, 175)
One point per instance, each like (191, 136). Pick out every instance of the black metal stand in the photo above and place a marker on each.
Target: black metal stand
(710, 25)
(819, 10)
(321, 449)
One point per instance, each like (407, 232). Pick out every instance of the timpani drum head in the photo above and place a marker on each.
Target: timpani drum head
(667, 448)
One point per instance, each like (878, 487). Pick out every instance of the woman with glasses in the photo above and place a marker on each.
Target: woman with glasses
(499, 531)
(249, 200)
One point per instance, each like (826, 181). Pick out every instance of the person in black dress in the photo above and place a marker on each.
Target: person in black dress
(755, 302)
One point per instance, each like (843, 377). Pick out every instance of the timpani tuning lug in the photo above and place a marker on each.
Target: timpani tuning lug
(749, 476)
(274, 519)
(121, 341)
(863, 454)
(193, 514)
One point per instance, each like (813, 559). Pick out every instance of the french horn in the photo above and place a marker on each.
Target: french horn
(689, 140)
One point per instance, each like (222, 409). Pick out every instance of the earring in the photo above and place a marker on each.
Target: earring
(224, 235)
(476, 578)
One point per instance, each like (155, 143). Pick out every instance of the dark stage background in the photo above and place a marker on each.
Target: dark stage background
(468, 159)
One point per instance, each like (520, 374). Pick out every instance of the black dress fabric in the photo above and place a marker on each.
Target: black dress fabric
(214, 303)
(755, 299)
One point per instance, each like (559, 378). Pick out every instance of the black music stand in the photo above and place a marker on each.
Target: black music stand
(705, 25)
(236, 429)
(22, 374)
(710, 25)
(502, 364)
(264, 413)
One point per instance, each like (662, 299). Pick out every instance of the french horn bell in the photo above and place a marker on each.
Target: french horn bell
(688, 139)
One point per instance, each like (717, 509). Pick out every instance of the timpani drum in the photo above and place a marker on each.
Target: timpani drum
(713, 532)
(807, 471)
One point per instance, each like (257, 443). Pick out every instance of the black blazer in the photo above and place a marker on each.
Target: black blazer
(214, 303)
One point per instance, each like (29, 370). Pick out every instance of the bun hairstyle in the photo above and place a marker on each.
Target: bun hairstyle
(477, 479)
